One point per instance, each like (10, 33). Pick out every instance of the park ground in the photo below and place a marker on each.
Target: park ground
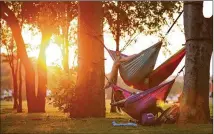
(54, 121)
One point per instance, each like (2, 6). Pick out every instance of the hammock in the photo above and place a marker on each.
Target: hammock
(135, 105)
(146, 76)
(124, 92)
(142, 63)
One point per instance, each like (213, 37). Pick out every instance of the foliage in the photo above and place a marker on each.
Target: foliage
(134, 17)
(72, 36)
(62, 89)
(7, 41)
(9, 56)
(49, 14)
(15, 6)
(72, 32)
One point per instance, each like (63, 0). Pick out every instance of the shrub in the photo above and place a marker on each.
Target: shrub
(62, 90)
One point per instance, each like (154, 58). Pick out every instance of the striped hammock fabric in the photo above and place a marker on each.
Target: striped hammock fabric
(140, 66)
(139, 72)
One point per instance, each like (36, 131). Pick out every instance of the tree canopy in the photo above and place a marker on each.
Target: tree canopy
(132, 17)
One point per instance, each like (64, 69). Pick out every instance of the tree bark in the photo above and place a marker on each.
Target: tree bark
(194, 106)
(13, 23)
(19, 108)
(117, 39)
(90, 81)
(14, 77)
(42, 71)
(15, 88)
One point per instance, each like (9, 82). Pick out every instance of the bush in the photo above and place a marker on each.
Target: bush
(62, 90)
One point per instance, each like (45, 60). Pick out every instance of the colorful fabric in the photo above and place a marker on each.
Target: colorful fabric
(166, 69)
(125, 92)
(148, 119)
(146, 77)
(140, 65)
(136, 104)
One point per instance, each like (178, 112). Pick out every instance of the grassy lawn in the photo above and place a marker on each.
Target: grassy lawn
(54, 121)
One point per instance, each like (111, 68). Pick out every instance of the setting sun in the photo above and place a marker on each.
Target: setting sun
(53, 54)
(53, 51)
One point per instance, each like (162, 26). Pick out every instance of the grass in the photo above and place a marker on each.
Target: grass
(54, 121)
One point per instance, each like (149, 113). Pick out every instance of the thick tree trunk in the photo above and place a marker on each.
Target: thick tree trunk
(90, 81)
(198, 32)
(13, 23)
(42, 71)
(19, 108)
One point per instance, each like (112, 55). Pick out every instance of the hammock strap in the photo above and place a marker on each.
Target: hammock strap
(174, 23)
(179, 72)
(107, 79)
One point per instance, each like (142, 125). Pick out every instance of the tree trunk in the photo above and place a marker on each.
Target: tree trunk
(15, 88)
(42, 71)
(194, 106)
(19, 108)
(117, 39)
(66, 52)
(90, 81)
(14, 77)
(13, 23)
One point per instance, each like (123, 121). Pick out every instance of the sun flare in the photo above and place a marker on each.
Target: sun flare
(53, 54)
